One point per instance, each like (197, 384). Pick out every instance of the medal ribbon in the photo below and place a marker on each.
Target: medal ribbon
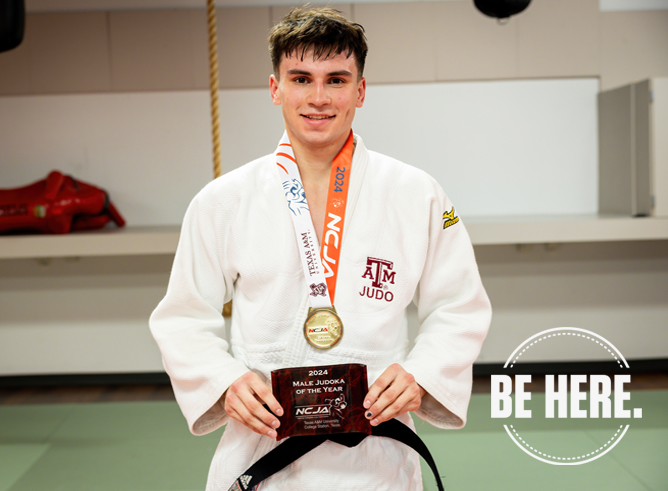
(320, 269)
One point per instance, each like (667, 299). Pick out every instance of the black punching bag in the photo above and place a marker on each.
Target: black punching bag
(12, 23)
(501, 9)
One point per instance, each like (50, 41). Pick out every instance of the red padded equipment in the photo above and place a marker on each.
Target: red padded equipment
(56, 205)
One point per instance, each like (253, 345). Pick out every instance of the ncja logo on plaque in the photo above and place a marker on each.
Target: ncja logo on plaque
(587, 424)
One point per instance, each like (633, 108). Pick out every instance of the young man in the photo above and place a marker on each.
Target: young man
(398, 240)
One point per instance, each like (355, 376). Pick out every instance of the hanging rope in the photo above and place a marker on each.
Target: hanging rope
(214, 85)
(215, 116)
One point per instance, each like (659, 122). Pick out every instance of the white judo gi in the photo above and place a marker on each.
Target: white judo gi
(402, 243)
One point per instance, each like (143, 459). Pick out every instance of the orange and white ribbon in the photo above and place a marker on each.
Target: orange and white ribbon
(320, 270)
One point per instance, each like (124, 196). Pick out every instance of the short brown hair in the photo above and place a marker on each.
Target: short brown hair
(324, 29)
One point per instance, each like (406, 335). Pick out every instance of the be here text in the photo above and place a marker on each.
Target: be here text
(602, 399)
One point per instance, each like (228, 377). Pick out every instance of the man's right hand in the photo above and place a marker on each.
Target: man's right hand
(243, 401)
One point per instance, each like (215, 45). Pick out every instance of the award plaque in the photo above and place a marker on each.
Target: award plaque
(321, 400)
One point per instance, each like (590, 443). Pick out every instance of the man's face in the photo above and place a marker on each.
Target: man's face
(318, 99)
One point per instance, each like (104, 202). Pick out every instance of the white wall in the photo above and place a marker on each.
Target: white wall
(87, 315)
(506, 147)
(618, 290)
(90, 315)
(526, 147)
(521, 147)
(151, 151)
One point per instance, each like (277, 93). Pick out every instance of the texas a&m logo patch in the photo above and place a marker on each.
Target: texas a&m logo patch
(319, 289)
(379, 271)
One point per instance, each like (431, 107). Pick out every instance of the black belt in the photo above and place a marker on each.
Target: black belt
(297, 446)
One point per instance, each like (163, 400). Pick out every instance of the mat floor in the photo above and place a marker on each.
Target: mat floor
(145, 446)
(160, 392)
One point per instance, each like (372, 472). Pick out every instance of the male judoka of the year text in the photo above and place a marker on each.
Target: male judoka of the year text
(403, 242)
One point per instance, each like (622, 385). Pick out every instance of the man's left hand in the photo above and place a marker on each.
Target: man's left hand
(394, 393)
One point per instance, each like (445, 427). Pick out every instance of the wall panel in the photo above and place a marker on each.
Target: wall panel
(80, 316)
(497, 148)
(402, 41)
(409, 42)
(617, 290)
(15, 71)
(242, 47)
(559, 38)
(69, 53)
(151, 151)
(472, 46)
(516, 147)
(154, 50)
(634, 46)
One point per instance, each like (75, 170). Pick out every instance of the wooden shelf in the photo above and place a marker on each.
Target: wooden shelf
(579, 228)
(127, 241)
(483, 231)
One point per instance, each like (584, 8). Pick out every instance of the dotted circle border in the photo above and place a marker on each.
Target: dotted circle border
(568, 460)
(602, 345)
(565, 459)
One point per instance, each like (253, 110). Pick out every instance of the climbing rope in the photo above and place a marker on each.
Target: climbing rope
(215, 117)
(214, 85)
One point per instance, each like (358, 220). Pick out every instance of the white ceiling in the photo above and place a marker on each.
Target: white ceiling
(88, 5)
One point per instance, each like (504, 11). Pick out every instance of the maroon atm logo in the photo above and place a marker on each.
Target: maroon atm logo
(379, 271)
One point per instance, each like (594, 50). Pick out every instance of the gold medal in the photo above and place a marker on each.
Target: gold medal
(323, 327)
